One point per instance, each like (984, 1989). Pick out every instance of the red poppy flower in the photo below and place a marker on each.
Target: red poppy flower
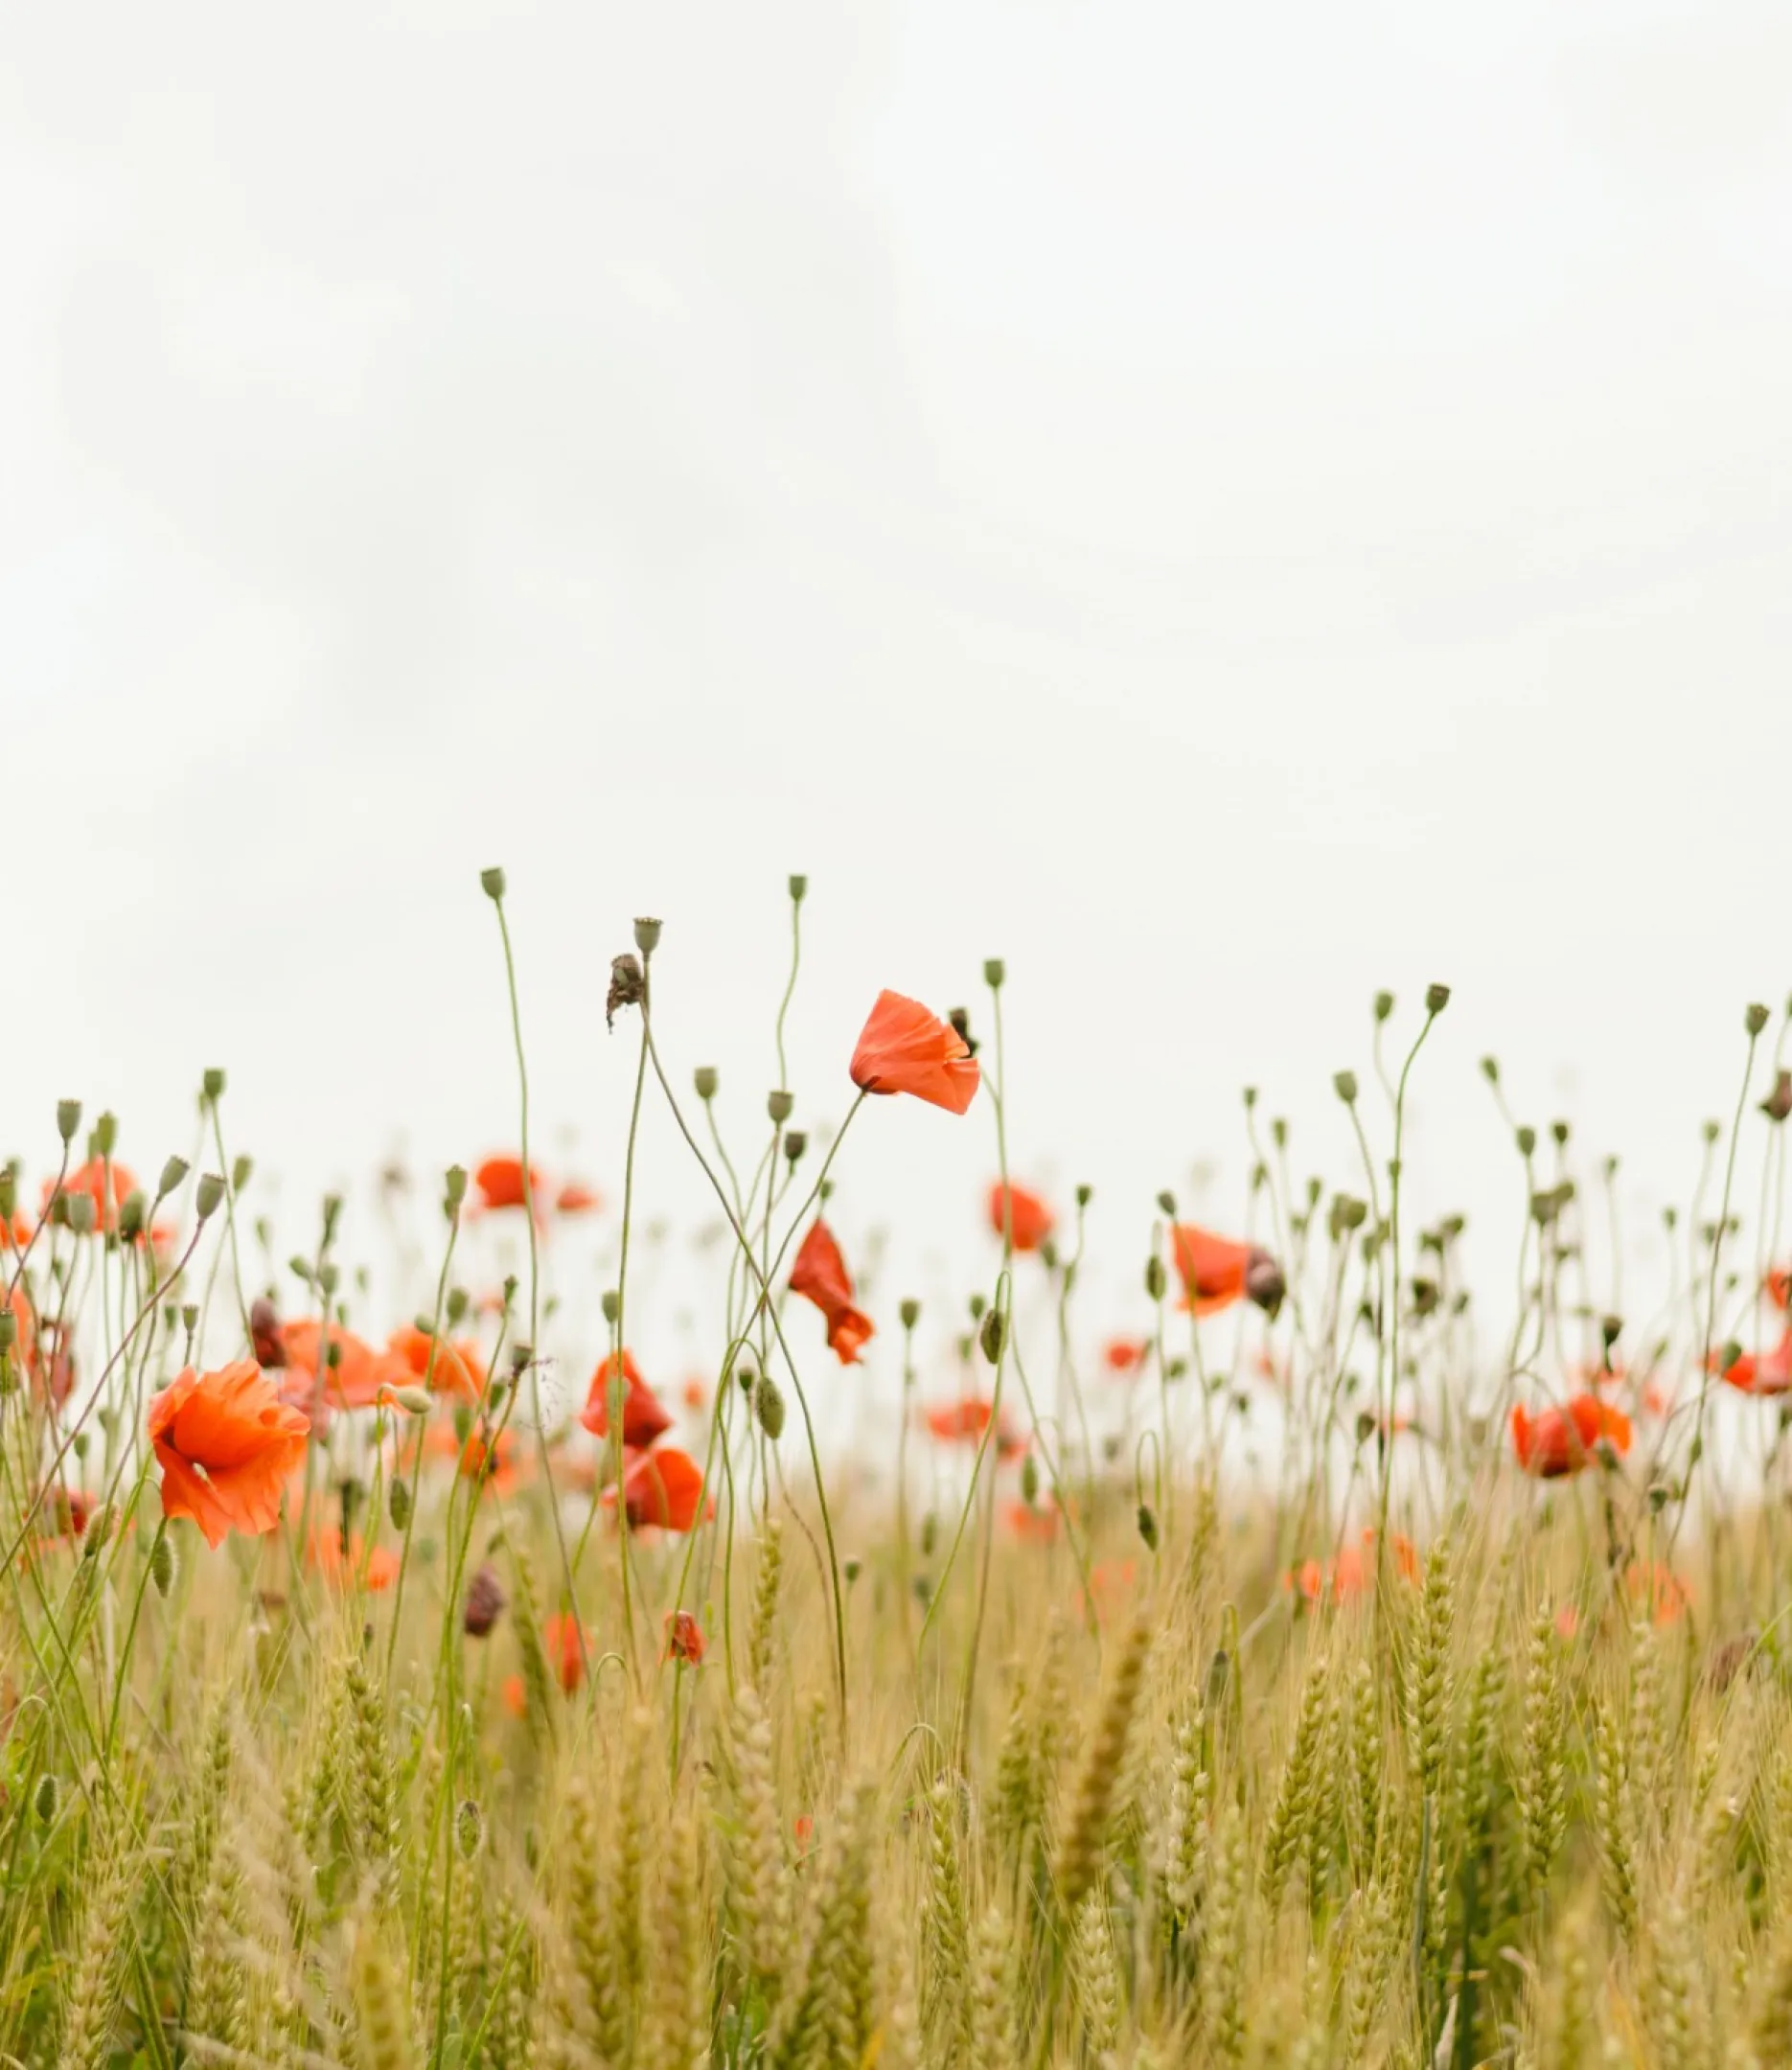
(225, 1444)
(485, 1456)
(16, 1230)
(1780, 1287)
(904, 1049)
(353, 1382)
(91, 1180)
(499, 1183)
(565, 1655)
(663, 1488)
(819, 1274)
(1558, 1442)
(515, 1696)
(1657, 1589)
(1124, 1355)
(803, 1830)
(1032, 1221)
(964, 1422)
(684, 1640)
(694, 1396)
(1216, 1273)
(1030, 1524)
(325, 1555)
(576, 1199)
(458, 1369)
(1769, 1375)
(644, 1415)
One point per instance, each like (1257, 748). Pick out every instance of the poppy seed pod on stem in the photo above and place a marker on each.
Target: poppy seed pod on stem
(67, 1118)
(909, 1313)
(1344, 1084)
(207, 1195)
(491, 883)
(647, 936)
(795, 1142)
(799, 890)
(612, 1305)
(174, 1178)
(1437, 998)
(769, 1406)
(1384, 1004)
(994, 1335)
(1155, 1279)
(995, 971)
(778, 1106)
(104, 1136)
(705, 1082)
(163, 1565)
(1756, 1019)
(1527, 1141)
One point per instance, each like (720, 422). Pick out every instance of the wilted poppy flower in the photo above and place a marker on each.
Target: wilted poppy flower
(225, 1444)
(819, 1274)
(905, 1049)
(684, 1640)
(355, 1379)
(576, 1199)
(964, 1422)
(458, 1367)
(663, 1488)
(325, 1555)
(1558, 1442)
(1769, 1375)
(91, 1181)
(1125, 1354)
(644, 1415)
(485, 1603)
(270, 1352)
(1032, 1221)
(499, 1183)
(566, 1650)
(1215, 1273)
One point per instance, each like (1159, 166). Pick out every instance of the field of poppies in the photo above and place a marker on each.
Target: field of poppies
(1271, 1674)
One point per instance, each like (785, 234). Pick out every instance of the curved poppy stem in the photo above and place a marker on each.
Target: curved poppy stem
(765, 1304)
(1395, 1177)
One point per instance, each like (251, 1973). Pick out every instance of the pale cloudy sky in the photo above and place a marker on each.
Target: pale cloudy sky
(1229, 508)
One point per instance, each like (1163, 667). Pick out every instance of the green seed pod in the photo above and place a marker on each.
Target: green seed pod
(468, 1829)
(399, 1505)
(1527, 1142)
(1755, 1020)
(799, 890)
(105, 1136)
(778, 1106)
(67, 1118)
(212, 1085)
(769, 1406)
(132, 1214)
(163, 1564)
(241, 1173)
(491, 883)
(994, 1335)
(995, 971)
(1155, 1279)
(852, 1567)
(207, 1195)
(1384, 1005)
(1344, 1084)
(80, 1213)
(929, 1535)
(909, 1314)
(705, 1081)
(612, 1305)
(44, 1803)
(1148, 1526)
(1437, 998)
(1030, 1480)
(647, 936)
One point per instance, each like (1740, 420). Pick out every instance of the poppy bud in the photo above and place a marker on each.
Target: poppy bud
(80, 1213)
(626, 985)
(1384, 1005)
(1527, 1139)
(1084, 1195)
(994, 973)
(1264, 1283)
(44, 1803)
(929, 1535)
(212, 1084)
(1490, 1070)
(1728, 1355)
(745, 1379)
(1696, 1452)
(647, 936)
(1155, 1278)
(994, 1335)
(519, 1356)
(413, 1400)
(1148, 1526)
(1610, 1328)
(485, 1603)
(399, 1505)
(1777, 1104)
(795, 1142)
(1671, 1219)
(1437, 998)
(1167, 1203)
(491, 883)
(133, 1213)
(851, 1567)
(163, 1564)
(1251, 1097)
(67, 1118)
(799, 890)
(1344, 1084)
(978, 1304)
(301, 1269)
(105, 1136)
(769, 1406)
(468, 1829)
(1755, 1020)
(190, 1317)
(1559, 1131)
(173, 1176)
(1279, 1132)
(1030, 1480)
(1712, 1130)
(705, 1080)
(612, 1305)
(239, 1173)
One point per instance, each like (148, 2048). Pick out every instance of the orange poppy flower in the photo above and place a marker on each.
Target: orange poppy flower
(904, 1049)
(1110, 1583)
(576, 1199)
(515, 1696)
(662, 1488)
(1558, 1442)
(1353, 1571)
(1031, 1220)
(16, 1230)
(566, 1654)
(459, 1369)
(354, 1381)
(1657, 1400)
(1215, 1272)
(819, 1274)
(1566, 1621)
(499, 1183)
(644, 1415)
(1769, 1375)
(1779, 1287)
(225, 1444)
(90, 1179)
(480, 1458)
(1656, 1588)
(684, 1639)
(1030, 1524)
(803, 1830)
(964, 1422)
(1125, 1354)
(325, 1555)
(694, 1396)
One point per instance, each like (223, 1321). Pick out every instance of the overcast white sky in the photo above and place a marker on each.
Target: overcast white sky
(1227, 508)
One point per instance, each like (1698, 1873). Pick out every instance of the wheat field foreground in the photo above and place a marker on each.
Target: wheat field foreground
(1274, 1674)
